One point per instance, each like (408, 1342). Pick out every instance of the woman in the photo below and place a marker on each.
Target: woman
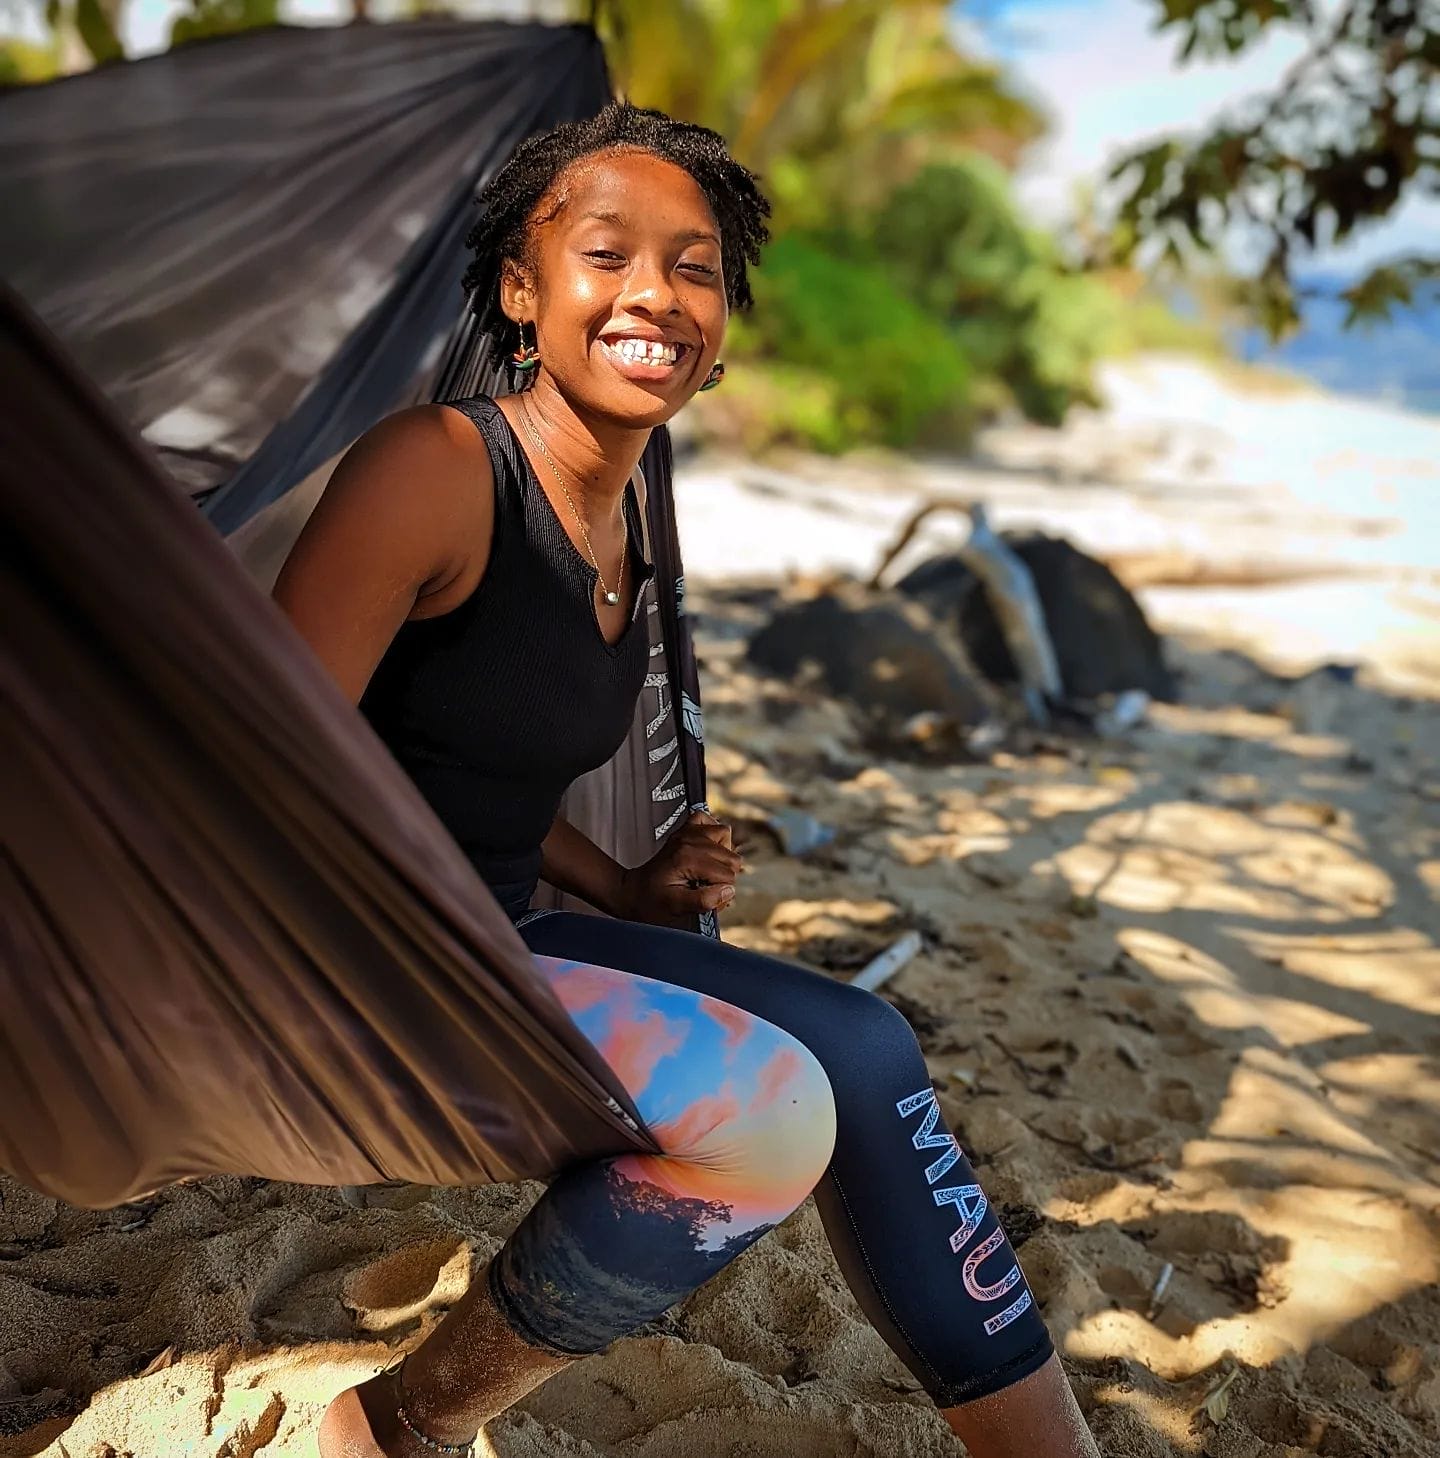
(474, 578)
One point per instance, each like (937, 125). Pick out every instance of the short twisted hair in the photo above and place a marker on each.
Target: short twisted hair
(508, 201)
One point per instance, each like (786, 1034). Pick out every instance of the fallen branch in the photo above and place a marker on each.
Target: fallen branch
(879, 970)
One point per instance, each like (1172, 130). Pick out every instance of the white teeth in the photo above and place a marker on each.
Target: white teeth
(646, 351)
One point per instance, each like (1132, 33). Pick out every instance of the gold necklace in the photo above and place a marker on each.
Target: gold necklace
(610, 597)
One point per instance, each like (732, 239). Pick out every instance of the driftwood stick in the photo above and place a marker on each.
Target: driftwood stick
(1008, 584)
(880, 969)
(912, 524)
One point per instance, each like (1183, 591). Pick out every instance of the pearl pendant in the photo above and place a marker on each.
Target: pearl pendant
(612, 598)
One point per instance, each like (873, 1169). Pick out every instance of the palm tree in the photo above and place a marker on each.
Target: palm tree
(834, 101)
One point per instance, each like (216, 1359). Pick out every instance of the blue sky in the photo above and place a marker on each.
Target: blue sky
(1106, 80)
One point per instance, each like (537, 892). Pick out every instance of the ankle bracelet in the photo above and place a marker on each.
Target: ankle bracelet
(457, 1450)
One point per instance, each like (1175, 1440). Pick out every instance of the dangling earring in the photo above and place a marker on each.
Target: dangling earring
(717, 373)
(527, 357)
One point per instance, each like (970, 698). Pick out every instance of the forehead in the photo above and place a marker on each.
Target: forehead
(643, 189)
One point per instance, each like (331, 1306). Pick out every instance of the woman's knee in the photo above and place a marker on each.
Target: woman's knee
(797, 1104)
(769, 1129)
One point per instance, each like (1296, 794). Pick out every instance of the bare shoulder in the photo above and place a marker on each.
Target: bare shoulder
(414, 500)
(428, 460)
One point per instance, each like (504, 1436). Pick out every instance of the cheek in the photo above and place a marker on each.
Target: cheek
(709, 312)
(580, 306)
(713, 325)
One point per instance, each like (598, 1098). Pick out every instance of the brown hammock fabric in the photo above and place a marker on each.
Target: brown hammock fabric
(232, 936)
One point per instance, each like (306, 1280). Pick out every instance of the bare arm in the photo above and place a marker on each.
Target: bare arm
(693, 871)
(573, 862)
(403, 530)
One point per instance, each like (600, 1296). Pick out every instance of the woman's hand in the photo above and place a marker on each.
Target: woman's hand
(693, 872)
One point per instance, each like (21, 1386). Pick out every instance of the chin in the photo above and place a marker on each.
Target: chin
(629, 405)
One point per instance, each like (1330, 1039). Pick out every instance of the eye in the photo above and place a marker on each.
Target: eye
(604, 257)
(701, 270)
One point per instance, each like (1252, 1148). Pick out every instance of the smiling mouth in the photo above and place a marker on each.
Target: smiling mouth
(645, 359)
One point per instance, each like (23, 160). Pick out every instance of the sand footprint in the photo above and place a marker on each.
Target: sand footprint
(399, 1287)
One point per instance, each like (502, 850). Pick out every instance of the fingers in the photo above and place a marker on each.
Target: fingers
(698, 846)
(691, 900)
(704, 863)
(707, 825)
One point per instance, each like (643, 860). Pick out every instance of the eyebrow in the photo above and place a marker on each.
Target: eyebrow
(619, 220)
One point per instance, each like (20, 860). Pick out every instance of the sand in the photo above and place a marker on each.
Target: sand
(1180, 994)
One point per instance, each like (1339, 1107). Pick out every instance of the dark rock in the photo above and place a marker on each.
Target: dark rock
(939, 583)
(1102, 641)
(883, 657)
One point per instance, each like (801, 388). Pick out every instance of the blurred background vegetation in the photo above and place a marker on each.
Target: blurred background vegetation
(907, 298)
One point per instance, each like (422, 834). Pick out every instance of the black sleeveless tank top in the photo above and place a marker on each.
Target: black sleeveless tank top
(496, 707)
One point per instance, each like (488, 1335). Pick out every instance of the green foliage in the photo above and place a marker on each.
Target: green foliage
(766, 404)
(943, 307)
(832, 103)
(1390, 285)
(1224, 29)
(1352, 130)
(955, 240)
(223, 17)
(97, 29)
(866, 362)
(23, 62)
(906, 296)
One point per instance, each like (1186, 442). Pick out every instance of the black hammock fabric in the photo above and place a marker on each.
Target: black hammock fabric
(254, 246)
(233, 937)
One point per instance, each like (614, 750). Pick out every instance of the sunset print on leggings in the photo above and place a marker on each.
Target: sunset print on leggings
(615, 1243)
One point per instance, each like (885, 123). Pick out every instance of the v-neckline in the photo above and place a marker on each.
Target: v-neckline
(633, 539)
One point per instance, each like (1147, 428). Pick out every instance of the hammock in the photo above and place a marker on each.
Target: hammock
(234, 938)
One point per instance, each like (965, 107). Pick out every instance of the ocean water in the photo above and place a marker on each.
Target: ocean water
(1396, 361)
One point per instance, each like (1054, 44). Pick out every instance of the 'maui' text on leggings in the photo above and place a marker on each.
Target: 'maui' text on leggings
(970, 1201)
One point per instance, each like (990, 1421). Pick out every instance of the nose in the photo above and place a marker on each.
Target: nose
(649, 290)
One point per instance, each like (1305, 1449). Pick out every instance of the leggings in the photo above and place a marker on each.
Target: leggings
(719, 1048)
(746, 1123)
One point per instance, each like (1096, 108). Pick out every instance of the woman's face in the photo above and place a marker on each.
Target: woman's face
(627, 292)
